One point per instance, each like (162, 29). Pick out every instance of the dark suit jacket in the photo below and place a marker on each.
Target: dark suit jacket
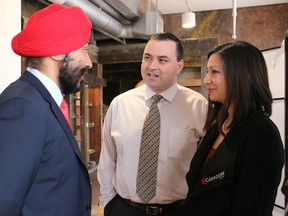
(242, 176)
(42, 170)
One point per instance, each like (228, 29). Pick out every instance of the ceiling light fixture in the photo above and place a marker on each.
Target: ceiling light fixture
(188, 18)
(234, 15)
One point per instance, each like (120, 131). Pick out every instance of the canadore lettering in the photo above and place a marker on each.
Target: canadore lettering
(218, 176)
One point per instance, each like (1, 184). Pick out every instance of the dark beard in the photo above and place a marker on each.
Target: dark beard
(70, 77)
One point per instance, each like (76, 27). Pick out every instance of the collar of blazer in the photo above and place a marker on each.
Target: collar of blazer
(30, 78)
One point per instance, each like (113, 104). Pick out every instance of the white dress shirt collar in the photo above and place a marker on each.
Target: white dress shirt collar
(49, 84)
(168, 94)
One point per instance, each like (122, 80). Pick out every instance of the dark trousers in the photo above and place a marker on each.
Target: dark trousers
(119, 207)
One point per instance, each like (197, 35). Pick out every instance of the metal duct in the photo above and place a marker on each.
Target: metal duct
(142, 28)
(110, 10)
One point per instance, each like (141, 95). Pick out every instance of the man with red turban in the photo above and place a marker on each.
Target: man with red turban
(42, 170)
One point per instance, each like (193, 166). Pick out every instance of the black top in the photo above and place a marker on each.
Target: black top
(242, 176)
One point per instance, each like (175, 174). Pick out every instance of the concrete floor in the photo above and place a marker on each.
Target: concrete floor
(97, 212)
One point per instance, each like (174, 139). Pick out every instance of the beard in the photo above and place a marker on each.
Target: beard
(70, 76)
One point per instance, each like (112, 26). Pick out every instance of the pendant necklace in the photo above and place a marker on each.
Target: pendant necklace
(224, 129)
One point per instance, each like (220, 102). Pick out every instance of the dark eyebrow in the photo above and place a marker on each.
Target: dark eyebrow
(164, 56)
(147, 54)
(158, 57)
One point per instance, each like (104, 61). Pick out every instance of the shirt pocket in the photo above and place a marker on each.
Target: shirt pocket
(183, 143)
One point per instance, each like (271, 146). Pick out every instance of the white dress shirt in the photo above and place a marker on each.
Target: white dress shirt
(183, 114)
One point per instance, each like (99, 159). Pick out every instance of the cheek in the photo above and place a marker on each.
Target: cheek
(223, 92)
(170, 74)
(224, 86)
(80, 59)
(144, 66)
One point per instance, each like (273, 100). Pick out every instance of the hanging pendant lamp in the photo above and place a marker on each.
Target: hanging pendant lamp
(188, 18)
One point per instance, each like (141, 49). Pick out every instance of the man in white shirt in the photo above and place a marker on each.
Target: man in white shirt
(183, 113)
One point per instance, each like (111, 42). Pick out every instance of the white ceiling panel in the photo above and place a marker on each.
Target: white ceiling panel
(180, 6)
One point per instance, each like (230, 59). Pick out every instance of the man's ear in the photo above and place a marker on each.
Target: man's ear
(58, 57)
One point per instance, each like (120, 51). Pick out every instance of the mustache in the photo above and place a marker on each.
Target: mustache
(84, 71)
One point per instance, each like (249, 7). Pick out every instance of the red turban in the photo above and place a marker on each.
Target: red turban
(54, 30)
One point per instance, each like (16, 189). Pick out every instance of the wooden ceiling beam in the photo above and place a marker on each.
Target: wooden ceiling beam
(113, 54)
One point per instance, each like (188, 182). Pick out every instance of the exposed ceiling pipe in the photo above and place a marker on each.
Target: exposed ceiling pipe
(110, 10)
(110, 36)
(100, 19)
(150, 23)
(44, 2)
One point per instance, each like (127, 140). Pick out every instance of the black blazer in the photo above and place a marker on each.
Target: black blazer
(42, 170)
(242, 176)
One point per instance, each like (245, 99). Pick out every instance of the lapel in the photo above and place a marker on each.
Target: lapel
(31, 79)
(219, 170)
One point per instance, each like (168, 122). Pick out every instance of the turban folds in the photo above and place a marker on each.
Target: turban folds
(54, 30)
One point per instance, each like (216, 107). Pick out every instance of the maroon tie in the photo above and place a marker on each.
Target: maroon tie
(65, 110)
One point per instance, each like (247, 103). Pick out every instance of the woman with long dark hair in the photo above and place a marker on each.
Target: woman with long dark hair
(237, 167)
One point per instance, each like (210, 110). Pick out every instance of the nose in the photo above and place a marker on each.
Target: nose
(88, 61)
(153, 65)
(207, 79)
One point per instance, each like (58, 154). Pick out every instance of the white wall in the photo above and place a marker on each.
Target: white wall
(276, 71)
(10, 25)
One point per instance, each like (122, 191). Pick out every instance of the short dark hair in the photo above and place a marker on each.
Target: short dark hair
(171, 37)
(34, 62)
(246, 78)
